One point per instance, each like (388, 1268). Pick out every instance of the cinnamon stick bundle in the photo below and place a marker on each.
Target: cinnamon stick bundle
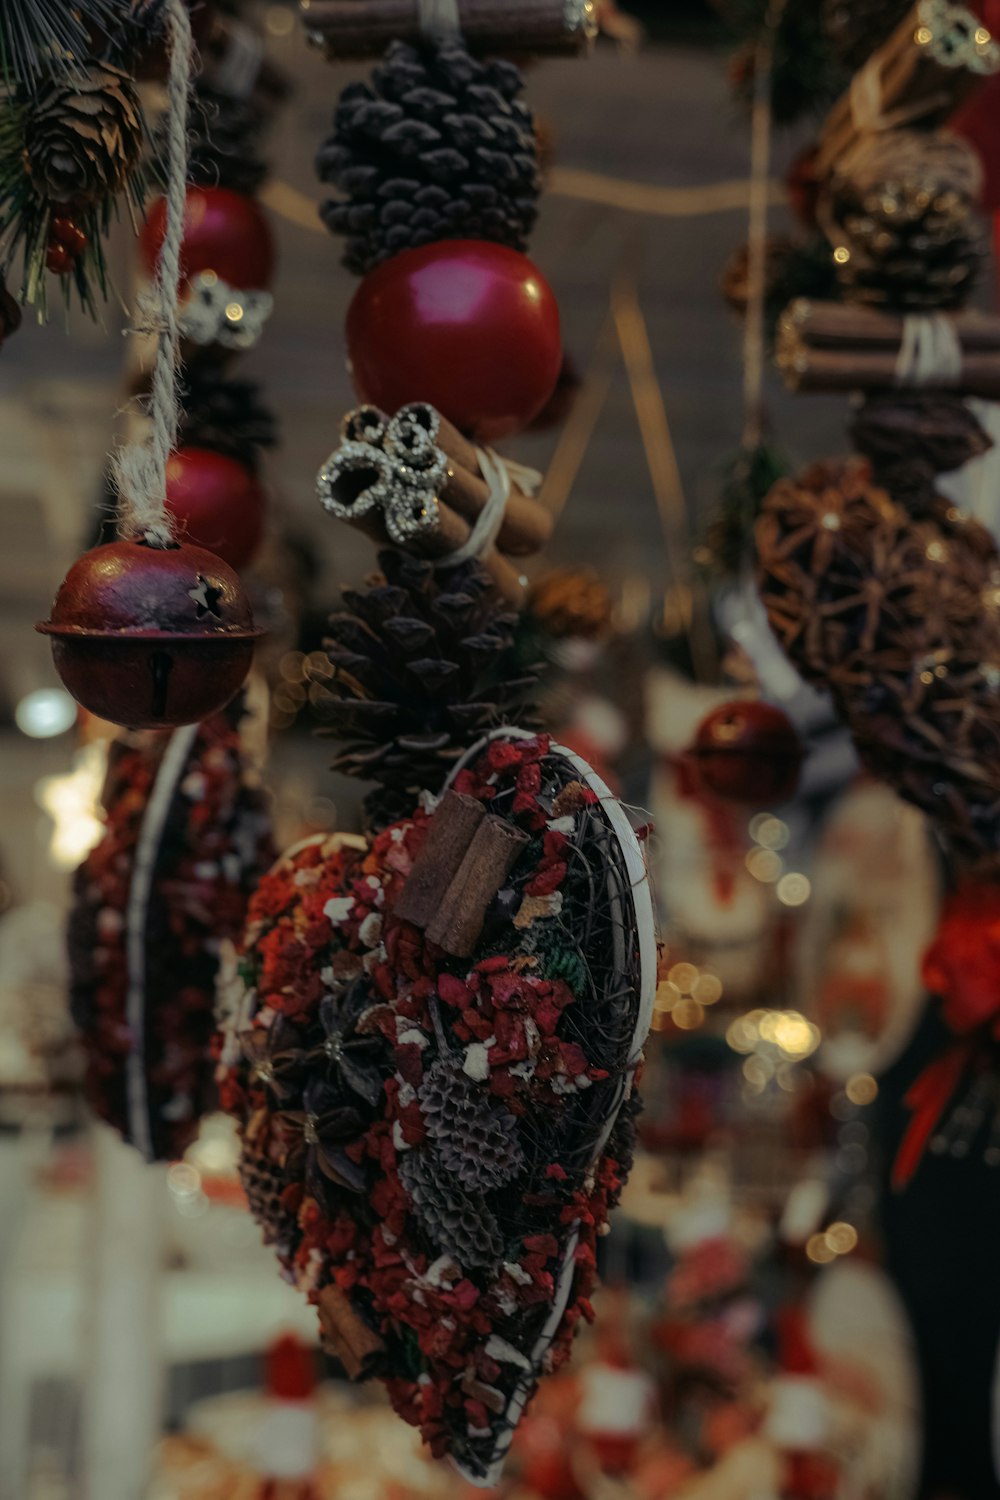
(414, 481)
(458, 923)
(835, 346)
(936, 58)
(349, 29)
(451, 831)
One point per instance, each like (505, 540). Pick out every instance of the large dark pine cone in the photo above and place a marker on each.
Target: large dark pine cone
(226, 416)
(903, 214)
(83, 135)
(855, 28)
(425, 662)
(454, 1222)
(439, 147)
(476, 1145)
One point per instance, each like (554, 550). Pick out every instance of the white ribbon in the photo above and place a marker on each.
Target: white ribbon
(439, 18)
(501, 475)
(930, 353)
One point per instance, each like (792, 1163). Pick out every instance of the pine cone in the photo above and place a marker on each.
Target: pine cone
(225, 415)
(905, 213)
(571, 603)
(424, 663)
(477, 1145)
(455, 1223)
(224, 137)
(439, 147)
(855, 28)
(264, 1182)
(83, 135)
(910, 437)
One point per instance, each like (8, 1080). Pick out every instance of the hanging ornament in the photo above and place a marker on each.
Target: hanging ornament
(439, 147)
(225, 415)
(748, 752)
(151, 637)
(67, 151)
(437, 1047)
(470, 327)
(493, 27)
(227, 260)
(186, 841)
(216, 503)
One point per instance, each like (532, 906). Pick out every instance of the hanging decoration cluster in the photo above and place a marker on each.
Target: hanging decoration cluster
(880, 589)
(156, 903)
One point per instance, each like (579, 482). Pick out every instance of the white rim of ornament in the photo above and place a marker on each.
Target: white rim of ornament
(154, 820)
(140, 469)
(642, 904)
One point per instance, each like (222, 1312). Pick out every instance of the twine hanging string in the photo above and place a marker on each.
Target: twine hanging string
(140, 469)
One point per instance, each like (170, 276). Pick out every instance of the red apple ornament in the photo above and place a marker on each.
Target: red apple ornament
(471, 327)
(217, 503)
(151, 637)
(225, 233)
(748, 752)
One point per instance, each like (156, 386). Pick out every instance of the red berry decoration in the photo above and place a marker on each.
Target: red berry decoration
(58, 260)
(471, 327)
(150, 637)
(749, 752)
(224, 232)
(217, 503)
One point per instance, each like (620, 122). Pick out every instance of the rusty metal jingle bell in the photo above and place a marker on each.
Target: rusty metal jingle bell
(151, 637)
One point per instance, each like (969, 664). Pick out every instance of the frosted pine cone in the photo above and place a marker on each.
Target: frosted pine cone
(477, 1146)
(455, 1223)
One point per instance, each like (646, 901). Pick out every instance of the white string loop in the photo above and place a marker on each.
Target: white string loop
(140, 469)
(440, 18)
(930, 352)
(501, 475)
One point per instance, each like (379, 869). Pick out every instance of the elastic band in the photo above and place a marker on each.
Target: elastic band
(930, 353)
(440, 18)
(483, 535)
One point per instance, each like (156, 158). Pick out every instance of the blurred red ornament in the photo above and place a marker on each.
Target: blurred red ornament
(979, 120)
(802, 185)
(545, 1456)
(217, 503)
(471, 327)
(225, 233)
(748, 752)
(151, 637)
(290, 1369)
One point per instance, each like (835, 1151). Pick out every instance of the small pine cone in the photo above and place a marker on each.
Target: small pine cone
(571, 602)
(83, 135)
(223, 142)
(225, 415)
(264, 1181)
(439, 147)
(904, 217)
(425, 662)
(455, 1223)
(477, 1145)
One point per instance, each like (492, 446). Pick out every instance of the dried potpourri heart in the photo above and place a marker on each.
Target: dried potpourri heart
(433, 1066)
(187, 839)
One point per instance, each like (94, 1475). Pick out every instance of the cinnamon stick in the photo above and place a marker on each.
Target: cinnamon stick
(458, 923)
(364, 28)
(346, 1335)
(910, 80)
(449, 835)
(848, 325)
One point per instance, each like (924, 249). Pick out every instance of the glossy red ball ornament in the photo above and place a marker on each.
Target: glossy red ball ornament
(471, 327)
(151, 637)
(748, 752)
(224, 232)
(217, 503)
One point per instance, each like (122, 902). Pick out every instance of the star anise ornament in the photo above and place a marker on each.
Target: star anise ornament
(352, 1046)
(278, 1067)
(320, 1131)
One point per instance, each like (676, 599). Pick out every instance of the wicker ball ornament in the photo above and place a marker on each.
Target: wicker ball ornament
(748, 752)
(217, 503)
(468, 326)
(151, 638)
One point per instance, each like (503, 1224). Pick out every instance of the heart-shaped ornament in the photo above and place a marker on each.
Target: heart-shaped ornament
(433, 1063)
